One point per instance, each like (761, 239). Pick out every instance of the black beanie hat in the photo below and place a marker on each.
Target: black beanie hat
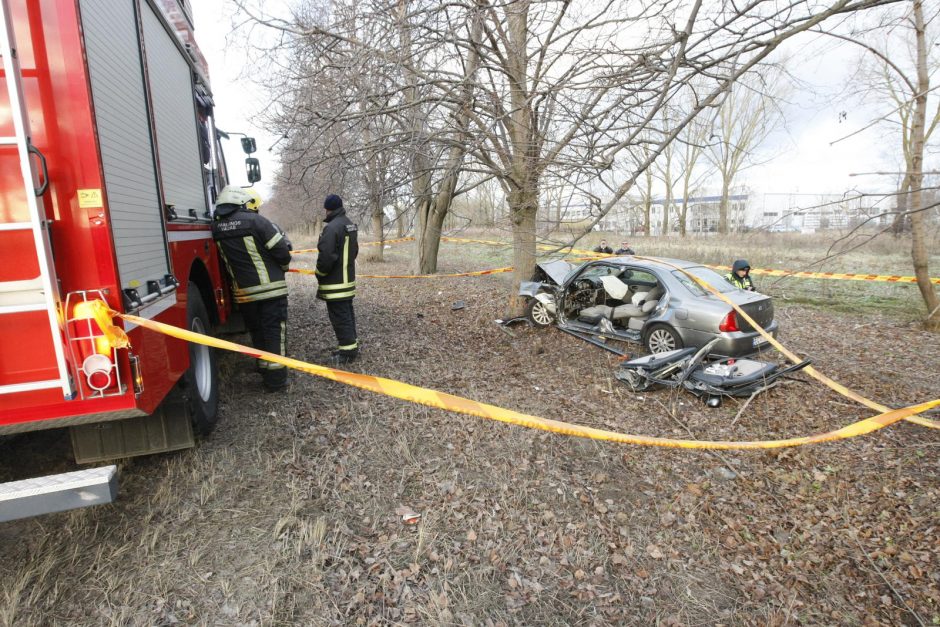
(333, 202)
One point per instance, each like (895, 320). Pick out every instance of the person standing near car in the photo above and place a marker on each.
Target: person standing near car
(604, 248)
(256, 255)
(338, 248)
(740, 275)
(624, 249)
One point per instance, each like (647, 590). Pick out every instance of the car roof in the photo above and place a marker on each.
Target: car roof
(658, 262)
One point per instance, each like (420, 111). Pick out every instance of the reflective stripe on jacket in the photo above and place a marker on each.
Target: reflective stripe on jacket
(336, 263)
(744, 283)
(255, 252)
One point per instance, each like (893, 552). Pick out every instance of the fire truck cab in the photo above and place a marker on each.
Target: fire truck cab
(109, 165)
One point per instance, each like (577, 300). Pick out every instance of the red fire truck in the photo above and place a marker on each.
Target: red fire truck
(109, 164)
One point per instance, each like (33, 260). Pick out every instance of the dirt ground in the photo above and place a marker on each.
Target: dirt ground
(290, 513)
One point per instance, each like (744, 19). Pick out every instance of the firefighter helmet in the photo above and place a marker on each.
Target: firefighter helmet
(255, 203)
(233, 195)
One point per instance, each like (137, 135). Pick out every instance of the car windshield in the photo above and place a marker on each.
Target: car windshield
(706, 274)
(599, 271)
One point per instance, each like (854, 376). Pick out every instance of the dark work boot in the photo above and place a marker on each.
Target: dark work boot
(341, 358)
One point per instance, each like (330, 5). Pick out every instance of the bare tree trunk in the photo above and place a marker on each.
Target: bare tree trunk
(916, 176)
(684, 212)
(400, 220)
(378, 224)
(433, 212)
(524, 207)
(901, 220)
(524, 177)
(723, 205)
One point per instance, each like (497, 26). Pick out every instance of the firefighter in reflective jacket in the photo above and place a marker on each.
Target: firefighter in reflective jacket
(740, 275)
(256, 254)
(336, 270)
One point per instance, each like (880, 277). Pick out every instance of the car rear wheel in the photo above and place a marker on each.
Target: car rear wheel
(662, 338)
(537, 313)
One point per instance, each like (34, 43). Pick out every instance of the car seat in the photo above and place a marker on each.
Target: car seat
(616, 290)
(640, 307)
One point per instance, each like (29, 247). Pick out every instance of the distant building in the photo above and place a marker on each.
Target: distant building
(749, 211)
(774, 212)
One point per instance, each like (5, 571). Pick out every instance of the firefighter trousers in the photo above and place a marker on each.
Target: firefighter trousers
(267, 324)
(343, 319)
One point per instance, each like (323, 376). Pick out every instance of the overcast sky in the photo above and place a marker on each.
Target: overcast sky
(805, 156)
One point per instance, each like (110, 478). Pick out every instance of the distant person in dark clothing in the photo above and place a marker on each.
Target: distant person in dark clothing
(604, 248)
(336, 270)
(624, 249)
(740, 275)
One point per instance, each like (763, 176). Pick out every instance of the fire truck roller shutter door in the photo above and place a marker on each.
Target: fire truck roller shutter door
(114, 58)
(174, 115)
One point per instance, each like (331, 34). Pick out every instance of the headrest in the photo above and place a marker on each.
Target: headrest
(638, 298)
(649, 306)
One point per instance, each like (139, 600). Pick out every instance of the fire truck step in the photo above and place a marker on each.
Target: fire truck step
(30, 386)
(8, 141)
(16, 226)
(57, 493)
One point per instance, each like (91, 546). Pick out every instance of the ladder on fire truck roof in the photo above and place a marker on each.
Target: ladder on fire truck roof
(38, 293)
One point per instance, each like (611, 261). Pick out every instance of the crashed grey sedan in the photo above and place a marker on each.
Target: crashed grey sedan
(646, 301)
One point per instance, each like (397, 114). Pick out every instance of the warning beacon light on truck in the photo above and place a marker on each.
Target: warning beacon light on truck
(93, 351)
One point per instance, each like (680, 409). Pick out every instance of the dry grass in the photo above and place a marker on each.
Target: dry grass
(286, 515)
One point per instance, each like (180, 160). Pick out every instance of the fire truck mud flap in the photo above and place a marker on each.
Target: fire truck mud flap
(57, 493)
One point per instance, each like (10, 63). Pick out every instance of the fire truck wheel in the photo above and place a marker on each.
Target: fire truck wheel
(201, 381)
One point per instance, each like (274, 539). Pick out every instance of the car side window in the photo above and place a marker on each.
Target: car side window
(640, 277)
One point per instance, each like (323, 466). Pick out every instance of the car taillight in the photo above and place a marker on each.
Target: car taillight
(729, 323)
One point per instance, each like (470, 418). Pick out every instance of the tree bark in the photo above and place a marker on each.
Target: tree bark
(523, 178)
(723, 205)
(378, 224)
(434, 210)
(918, 228)
(524, 211)
(901, 220)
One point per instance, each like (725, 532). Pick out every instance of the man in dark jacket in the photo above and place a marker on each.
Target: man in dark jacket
(603, 248)
(256, 254)
(336, 269)
(624, 249)
(740, 275)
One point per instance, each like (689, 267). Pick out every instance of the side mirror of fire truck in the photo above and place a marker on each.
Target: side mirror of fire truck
(253, 168)
(248, 145)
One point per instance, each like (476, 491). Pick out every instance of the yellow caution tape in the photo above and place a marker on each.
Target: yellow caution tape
(458, 404)
(388, 241)
(841, 276)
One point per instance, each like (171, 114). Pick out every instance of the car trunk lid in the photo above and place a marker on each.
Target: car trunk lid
(759, 307)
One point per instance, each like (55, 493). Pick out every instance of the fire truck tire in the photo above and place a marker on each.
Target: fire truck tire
(201, 380)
